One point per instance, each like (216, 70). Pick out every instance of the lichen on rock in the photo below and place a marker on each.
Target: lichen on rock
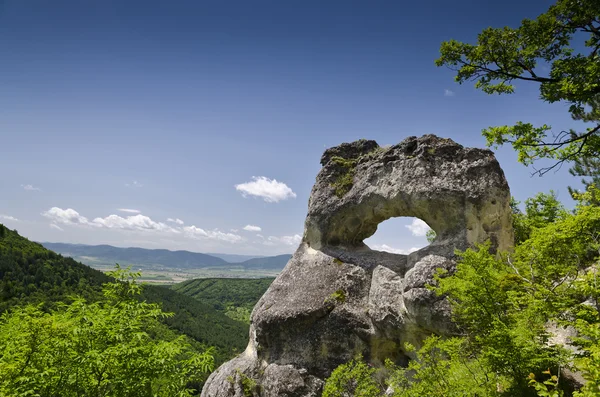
(336, 297)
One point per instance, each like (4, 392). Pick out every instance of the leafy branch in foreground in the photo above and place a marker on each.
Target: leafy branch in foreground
(113, 347)
(505, 55)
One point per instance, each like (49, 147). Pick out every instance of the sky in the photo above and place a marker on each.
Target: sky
(199, 125)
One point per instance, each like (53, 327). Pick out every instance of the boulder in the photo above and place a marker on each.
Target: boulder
(336, 297)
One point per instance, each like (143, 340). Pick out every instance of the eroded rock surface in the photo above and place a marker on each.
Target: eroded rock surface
(336, 297)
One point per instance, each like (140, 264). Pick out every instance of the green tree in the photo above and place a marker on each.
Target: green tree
(540, 210)
(502, 56)
(353, 379)
(586, 167)
(112, 347)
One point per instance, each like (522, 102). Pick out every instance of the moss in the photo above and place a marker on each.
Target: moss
(338, 296)
(345, 180)
(248, 384)
(338, 261)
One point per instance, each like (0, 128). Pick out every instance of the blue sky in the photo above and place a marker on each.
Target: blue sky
(165, 107)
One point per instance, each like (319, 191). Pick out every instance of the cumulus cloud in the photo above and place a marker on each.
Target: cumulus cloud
(283, 240)
(9, 218)
(134, 184)
(270, 190)
(418, 228)
(135, 222)
(66, 217)
(55, 226)
(129, 210)
(448, 93)
(199, 233)
(387, 248)
(31, 188)
(252, 228)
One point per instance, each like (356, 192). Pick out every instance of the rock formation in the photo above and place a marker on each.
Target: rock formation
(336, 297)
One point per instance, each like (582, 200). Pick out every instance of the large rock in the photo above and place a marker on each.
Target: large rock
(336, 297)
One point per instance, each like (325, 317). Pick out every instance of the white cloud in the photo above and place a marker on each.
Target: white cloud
(129, 210)
(31, 188)
(283, 240)
(134, 184)
(176, 220)
(387, 248)
(55, 226)
(67, 217)
(135, 222)
(448, 92)
(260, 236)
(418, 228)
(9, 218)
(252, 228)
(269, 190)
(199, 233)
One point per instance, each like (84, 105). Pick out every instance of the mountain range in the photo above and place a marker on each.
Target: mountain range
(110, 255)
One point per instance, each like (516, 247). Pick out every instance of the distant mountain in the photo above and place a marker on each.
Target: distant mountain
(109, 255)
(234, 258)
(137, 256)
(270, 262)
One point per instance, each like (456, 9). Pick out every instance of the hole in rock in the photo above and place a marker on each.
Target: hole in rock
(401, 235)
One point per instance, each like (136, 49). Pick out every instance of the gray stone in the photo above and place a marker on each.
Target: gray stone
(336, 297)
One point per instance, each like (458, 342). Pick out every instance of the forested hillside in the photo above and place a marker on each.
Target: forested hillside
(234, 297)
(30, 273)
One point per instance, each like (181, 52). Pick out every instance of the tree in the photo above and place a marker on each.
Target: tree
(586, 167)
(540, 210)
(113, 347)
(505, 55)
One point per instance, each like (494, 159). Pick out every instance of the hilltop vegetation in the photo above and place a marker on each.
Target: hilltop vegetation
(115, 346)
(30, 273)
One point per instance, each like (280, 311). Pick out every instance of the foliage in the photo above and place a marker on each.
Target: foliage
(587, 167)
(30, 273)
(353, 379)
(540, 210)
(445, 368)
(505, 55)
(224, 293)
(233, 297)
(240, 314)
(200, 321)
(431, 235)
(502, 319)
(115, 346)
(502, 306)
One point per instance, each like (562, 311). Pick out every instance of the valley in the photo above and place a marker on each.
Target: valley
(170, 267)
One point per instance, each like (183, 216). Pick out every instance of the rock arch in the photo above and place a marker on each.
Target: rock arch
(336, 297)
